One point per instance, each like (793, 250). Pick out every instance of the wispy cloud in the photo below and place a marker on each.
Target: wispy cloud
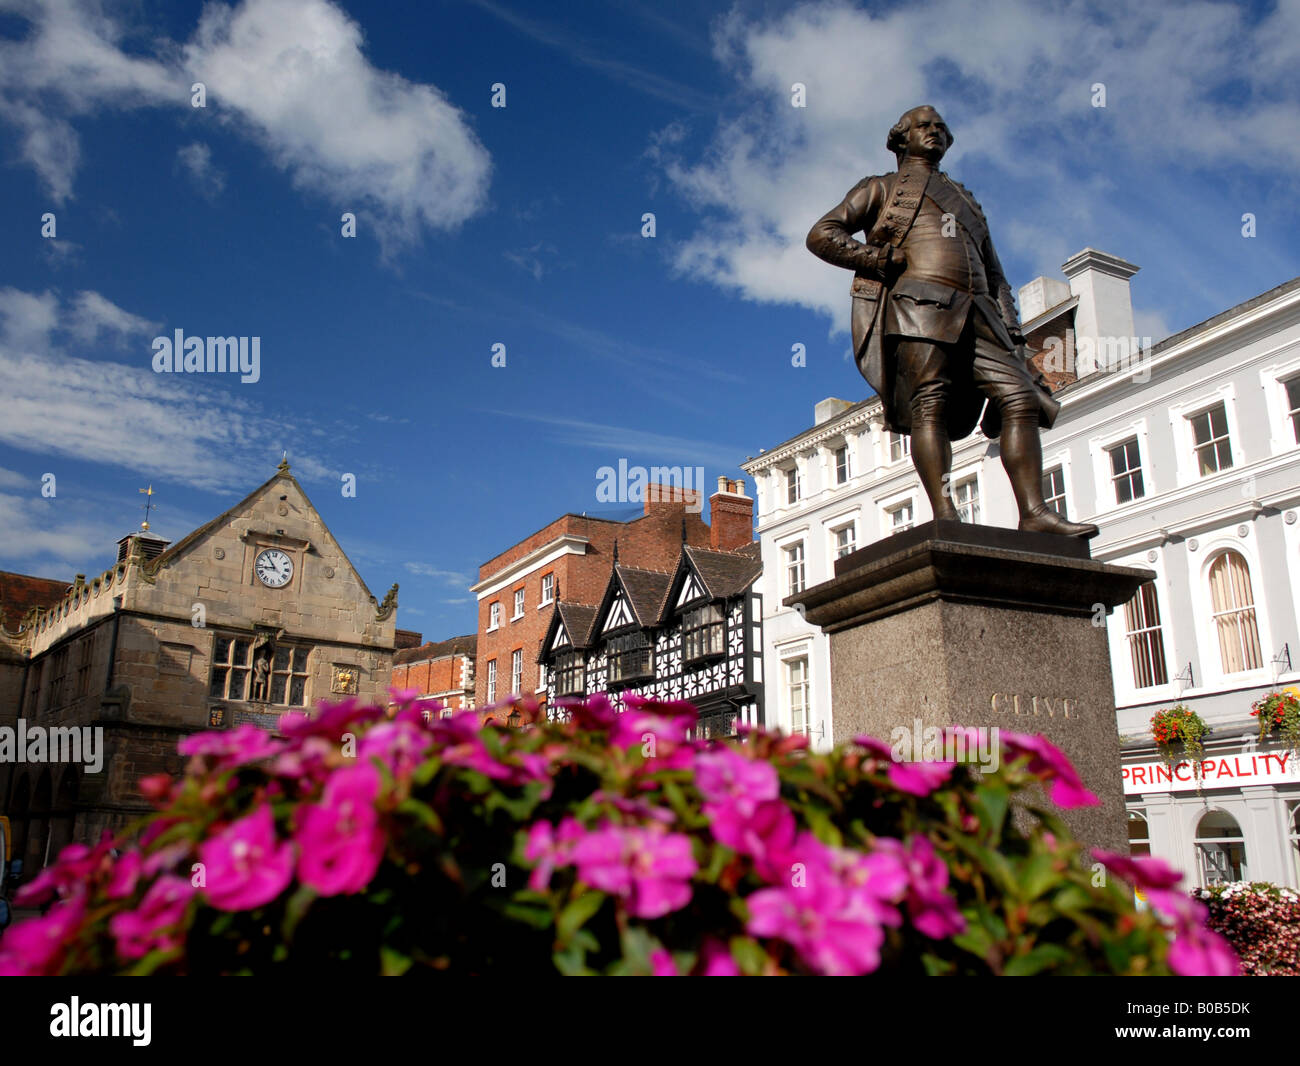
(196, 160)
(597, 57)
(636, 445)
(451, 577)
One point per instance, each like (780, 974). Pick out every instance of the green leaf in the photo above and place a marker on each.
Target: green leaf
(991, 803)
(295, 909)
(421, 812)
(1036, 960)
(392, 963)
(575, 915)
(1037, 876)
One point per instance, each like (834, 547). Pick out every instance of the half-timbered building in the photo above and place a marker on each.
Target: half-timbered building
(693, 634)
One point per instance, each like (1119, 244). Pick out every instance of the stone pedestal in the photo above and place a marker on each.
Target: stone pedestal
(958, 624)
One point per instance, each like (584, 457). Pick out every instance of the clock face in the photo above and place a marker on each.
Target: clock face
(273, 568)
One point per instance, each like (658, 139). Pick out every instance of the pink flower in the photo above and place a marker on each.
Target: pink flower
(33, 948)
(650, 868)
(662, 965)
(1200, 952)
(663, 737)
(932, 910)
(919, 778)
(877, 748)
(403, 697)
(331, 721)
(308, 762)
(833, 907)
(400, 745)
(765, 832)
(126, 872)
(76, 864)
(152, 926)
(1144, 871)
(595, 713)
(716, 960)
(244, 868)
(550, 847)
(340, 841)
(239, 746)
(725, 776)
(1049, 763)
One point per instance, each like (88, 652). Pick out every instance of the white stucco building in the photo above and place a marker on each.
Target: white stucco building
(1188, 458)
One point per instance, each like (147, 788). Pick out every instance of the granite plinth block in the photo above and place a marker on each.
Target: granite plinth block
(957, 624)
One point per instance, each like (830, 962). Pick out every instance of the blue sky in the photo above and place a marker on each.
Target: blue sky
(522, 226)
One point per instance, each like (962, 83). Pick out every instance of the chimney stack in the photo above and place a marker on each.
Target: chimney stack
(731, 516)
(1103, 320)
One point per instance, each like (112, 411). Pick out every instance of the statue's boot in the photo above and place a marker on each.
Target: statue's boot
(932, 457)
(1048, 521)
(1022, 458)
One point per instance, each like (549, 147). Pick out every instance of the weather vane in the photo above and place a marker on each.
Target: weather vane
(148, 506)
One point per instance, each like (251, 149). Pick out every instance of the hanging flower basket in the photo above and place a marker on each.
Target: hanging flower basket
(1178, 732)
(1279, 714)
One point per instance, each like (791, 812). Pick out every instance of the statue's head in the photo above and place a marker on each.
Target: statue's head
(920, 132)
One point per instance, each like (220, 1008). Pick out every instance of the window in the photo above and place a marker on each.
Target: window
(966, 498)
(289, 676)
(846, 540)
(1293, 406)
(900, 447)
(1295, 838)
(1054, 490)
(517, 670)
(519, 604)
(630, 657)
(230, 669)
(794, 574)
(492, 681)
(83, 665)
(494, 615)
(900, 517)
(541, 676)
(1126, 471)
(702, 632)
(792, 485)
(1139, 834)
(842, 464)
(570, 679)
(1232, 602)
(1145, 641)
(548, 588)
(1210, 437)
(59, 671)
(796, 685)
(1220, 849)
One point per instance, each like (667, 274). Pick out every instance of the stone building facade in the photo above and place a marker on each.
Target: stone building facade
(256, 613)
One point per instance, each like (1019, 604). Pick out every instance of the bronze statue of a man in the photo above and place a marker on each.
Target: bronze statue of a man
(935, 329)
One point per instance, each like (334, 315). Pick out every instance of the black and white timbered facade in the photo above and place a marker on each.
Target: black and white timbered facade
(695, 635)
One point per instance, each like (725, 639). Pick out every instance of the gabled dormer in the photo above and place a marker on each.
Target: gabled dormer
(628, 615)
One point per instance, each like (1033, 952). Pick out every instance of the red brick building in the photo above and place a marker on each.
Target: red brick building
(439, 670)
(517, 590)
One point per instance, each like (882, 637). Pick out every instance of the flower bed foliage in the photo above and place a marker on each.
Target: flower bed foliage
(609, 843)
(1177, 732)
(1262, 923)
(1279, 712)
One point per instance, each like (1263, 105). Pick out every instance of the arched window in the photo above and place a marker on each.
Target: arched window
(1232, 602)
(1139, 834)
(1220, 849)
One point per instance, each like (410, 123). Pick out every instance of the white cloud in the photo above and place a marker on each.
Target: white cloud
(1013, 79)
(51, 537)
(123, 414)
(196, 160)
(291, 74)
